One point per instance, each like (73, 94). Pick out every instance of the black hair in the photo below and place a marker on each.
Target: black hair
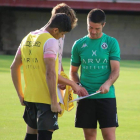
(60, 21)
(96, 16)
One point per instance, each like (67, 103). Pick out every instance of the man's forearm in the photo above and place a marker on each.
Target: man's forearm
(16, 78)
(113, 77)
(74, 77)
(62, 80)
(76, 88)
(51, 81)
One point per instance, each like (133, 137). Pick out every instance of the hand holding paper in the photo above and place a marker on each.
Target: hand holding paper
(85, 96)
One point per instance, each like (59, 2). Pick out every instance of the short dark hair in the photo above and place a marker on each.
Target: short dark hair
(60, 21)
(96, 16)
(64, 8)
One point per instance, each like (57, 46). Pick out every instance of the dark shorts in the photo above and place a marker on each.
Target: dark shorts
(89, 111)
(39, 116)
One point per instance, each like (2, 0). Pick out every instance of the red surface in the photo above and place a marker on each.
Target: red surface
(75, 5)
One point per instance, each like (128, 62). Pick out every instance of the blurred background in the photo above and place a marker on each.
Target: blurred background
(19, 17)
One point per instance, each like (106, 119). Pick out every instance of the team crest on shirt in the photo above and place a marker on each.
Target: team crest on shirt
(104, 46)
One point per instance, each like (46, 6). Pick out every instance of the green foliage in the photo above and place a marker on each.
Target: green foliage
(12, 126)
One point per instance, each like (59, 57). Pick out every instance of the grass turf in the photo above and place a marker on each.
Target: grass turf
(12, 126)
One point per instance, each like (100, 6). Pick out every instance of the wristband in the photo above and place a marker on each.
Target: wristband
(79, 84)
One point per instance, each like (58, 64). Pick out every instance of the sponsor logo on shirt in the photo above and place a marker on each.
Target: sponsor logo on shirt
(94, 53)
(104, 46)
(89, 63)
(32, 43)
(84, 45)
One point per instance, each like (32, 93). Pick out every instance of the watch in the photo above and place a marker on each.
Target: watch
(79, 84)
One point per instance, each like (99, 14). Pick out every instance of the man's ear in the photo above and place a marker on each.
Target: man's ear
(55, 30)
(104, 24)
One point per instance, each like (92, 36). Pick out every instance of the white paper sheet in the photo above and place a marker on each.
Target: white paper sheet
(60, 96)
(77, 99)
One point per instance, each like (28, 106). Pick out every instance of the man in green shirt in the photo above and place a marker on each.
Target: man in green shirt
(98, 55)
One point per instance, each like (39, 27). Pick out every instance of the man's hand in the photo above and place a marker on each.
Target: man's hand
(21, 98)
(56, 108)
(61, 86)
(80, 91)
(104, 88)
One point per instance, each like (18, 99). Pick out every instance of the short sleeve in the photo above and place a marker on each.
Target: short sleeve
(19, 50)
(51, 48)
(75, 57)
(115, 50)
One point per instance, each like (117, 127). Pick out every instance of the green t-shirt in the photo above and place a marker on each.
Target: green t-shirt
(94, 56)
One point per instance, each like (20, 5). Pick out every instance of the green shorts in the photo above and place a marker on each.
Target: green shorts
(39, 116)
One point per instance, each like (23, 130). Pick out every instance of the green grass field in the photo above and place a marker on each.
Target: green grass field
(12, 126)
